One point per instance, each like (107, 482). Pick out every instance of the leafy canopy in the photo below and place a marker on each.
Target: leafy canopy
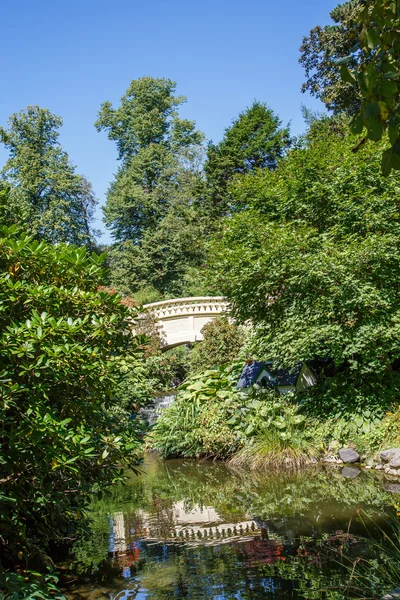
(254, 141)
(376, 74)
(150, 204)
(321, 50)
(63, 345)
(221, 345)
(47, 197)
(313, 258)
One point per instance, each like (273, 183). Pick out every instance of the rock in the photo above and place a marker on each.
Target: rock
(395, 462)
(368, 467)
(388, 455)
(395, 594)
(332, 459)
(351, 472)
(379, 467)
(392, 487)
(348, 455)
(392, 472)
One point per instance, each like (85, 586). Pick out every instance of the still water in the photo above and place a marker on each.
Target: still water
(186, 529)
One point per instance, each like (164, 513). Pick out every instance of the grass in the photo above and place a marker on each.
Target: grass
(272, 452)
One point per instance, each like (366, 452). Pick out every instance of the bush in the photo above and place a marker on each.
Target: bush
(196, 423)
(352, 412)
(62, 345)
(277, 434)
(211, 418)
(221, 345)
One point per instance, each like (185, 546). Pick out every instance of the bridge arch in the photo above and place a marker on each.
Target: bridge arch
(182, 319)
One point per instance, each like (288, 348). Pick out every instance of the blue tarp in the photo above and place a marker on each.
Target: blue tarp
(250, 373)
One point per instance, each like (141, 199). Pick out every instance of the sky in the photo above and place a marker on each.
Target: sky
(70, 56)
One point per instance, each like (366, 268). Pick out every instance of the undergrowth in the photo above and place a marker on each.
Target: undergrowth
(261, 429)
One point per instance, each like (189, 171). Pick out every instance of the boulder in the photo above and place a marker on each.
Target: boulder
(351, 472)
(390, 454)
(348, 455)
(395, 462)
(393, 595)
(392, 487)
(332, 459)
(392, 472)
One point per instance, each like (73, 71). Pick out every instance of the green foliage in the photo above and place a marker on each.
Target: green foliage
(320, 52)
(353, 413)
(150, 207)
(221, 345)
(375, 73)
(47, 196)
(157, 375)
(254, 141)
(210, 417)
(275, 431)
(196, 423)
(313, 261)
(18, 586)
(62, 346)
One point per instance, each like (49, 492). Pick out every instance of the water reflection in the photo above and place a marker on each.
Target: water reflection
(188, 530)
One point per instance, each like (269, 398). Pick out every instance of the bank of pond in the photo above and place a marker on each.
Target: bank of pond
(194, 529)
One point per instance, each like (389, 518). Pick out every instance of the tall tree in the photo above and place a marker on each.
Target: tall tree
(314, 261)
(47, 196)
(254, 141)
(154, 187)
(321, 50)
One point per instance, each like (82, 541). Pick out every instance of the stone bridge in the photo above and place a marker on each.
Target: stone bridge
(182, 319)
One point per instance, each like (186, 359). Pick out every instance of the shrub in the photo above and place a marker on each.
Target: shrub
(277, 434)
(196, 423)
(210, 417)
(221, 345)
(62, 344)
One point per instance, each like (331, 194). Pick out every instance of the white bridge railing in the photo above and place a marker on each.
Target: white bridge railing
(182, 319)
(187, 306)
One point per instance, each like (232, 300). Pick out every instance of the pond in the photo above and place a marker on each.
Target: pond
(190, 529)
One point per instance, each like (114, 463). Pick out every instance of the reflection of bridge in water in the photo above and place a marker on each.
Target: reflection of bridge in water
(182, 319)
(177, 524)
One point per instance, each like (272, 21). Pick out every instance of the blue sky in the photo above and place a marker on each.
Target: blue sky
(69, 56)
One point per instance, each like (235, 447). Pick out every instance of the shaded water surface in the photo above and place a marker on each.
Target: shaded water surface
(184, 529)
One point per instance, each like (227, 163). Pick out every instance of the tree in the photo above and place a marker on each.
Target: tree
(63, 348)
(254, 141)
(372, 67)
(314, 261)
(167, 251)
(321, 50)
(47, 196)
(154, 186)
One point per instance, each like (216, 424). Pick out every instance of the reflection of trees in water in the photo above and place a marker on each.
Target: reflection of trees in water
(299, 513)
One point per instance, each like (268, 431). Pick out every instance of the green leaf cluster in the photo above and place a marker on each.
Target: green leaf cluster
(150, 204)
(222, 343)
(375, 73)
(46, 196)
(255, 140)
(321, 50)
(196, 424)
(312, 260)
(62, 346)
